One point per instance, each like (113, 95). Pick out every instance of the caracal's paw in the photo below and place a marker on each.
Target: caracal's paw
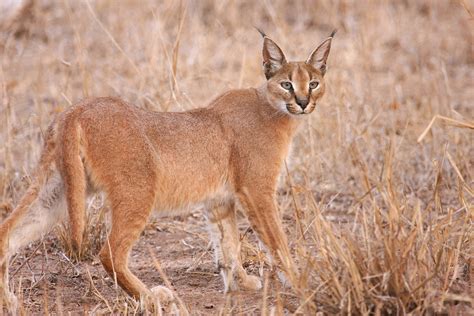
(250, 282)
(164, 299)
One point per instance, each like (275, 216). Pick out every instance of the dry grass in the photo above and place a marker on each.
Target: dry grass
(94, 235)
(379, 222)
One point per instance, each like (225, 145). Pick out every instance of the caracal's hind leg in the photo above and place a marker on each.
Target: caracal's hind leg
(130, 212)
(40, 209)
(226, 240)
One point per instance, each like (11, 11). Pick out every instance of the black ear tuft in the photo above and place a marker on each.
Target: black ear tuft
(261, 32)
(333, 33)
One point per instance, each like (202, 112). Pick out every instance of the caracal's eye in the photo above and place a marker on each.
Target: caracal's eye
(313, 85)
(286, 85)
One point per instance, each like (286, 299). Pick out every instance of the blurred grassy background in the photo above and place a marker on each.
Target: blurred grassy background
(393, 66)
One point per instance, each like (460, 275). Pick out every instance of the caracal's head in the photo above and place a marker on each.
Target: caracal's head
(295, 87)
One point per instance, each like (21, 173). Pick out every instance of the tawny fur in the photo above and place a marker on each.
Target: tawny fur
(227, 154)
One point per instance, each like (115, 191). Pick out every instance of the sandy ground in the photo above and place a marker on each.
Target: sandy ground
(51, 282)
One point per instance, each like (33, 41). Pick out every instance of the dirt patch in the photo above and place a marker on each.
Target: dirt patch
(51, 282)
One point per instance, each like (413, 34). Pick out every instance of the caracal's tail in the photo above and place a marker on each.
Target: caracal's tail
(72, 171)
(41, 207)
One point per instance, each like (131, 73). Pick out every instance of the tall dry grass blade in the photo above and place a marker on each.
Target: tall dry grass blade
(7, 156)
(454, 122)
(174, 67)
(111, 37)
(169, 61)
(458, 173)
(81, 52)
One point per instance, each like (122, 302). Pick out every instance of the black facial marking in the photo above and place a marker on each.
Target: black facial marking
(303, 102)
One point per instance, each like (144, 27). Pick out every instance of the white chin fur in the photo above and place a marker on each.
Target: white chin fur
(281, 106)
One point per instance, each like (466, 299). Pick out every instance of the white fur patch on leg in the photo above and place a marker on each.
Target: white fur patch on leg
(164, 300)
(46, 211)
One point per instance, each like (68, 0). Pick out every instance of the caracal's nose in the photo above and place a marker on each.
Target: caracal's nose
(303, 103)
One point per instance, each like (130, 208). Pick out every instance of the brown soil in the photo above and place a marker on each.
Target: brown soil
(51, 282)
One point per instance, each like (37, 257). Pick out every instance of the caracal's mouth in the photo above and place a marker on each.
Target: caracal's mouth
(296, 110)
(293, 109)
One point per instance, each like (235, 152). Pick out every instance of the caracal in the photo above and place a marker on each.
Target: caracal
(227, 155)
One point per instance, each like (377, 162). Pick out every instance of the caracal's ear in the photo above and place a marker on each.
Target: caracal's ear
(320, 55)
(273, 57)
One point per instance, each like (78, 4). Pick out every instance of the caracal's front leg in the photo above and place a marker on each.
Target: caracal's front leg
(226, 240)
(259, 205)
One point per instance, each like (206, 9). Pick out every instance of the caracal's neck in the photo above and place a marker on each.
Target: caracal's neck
(250, 111)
